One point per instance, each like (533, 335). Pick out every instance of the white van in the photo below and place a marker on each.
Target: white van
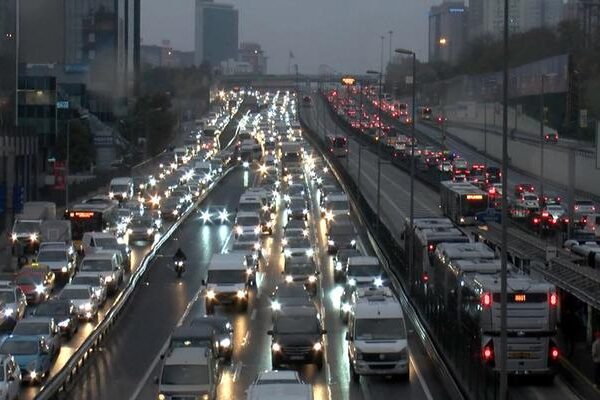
(121, 189)
(188, 372)
(281, 385)
(377, 339)
(227, 281)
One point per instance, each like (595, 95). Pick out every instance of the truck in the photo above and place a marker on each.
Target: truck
(25, 234)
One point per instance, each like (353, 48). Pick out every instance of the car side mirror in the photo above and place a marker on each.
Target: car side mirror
(348, 336)
(270, 332)
(203, 282)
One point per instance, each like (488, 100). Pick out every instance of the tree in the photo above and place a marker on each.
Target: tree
(81, 150)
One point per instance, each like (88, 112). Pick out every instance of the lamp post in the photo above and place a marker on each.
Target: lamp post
(378, 137)
(412, 162)
(542, 118)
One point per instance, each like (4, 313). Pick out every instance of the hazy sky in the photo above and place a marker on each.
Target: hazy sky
(344, 34)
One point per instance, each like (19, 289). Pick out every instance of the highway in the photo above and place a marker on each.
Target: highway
(395, 193)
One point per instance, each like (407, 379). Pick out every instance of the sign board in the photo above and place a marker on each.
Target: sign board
(583, 118)
(59, 175)
(103, 141)
(551, 253)
(62, 105)
(409, 80)
(348, 80)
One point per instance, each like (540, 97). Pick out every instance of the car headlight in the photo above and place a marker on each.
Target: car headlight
(312, 278)
(257, 229)
(269, 224)
(210, 294)
(276, 347)
(111, 195)
(64, 270)
(289, 279)
(305, 211)
(338, 265)
(8, 312)
(378, 282)
(108, 278)
(331, 242)
(275, 305)
(33, 237)
(346, 307)
(175, 212)
(225, 342)
(249, 271)
(317, 346)
(64, 323)
(310, 252)
(129, 231)
(13, 237)
(239, 230)
(124, 194)
(353, 242)
(39, 289)
(86, 307)
(352, 282)
(241, 294)
(149, 231)
(287, 253)
(161, 396)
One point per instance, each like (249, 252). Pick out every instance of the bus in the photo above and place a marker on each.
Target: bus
(426, 235)
(425, 113)
(466, 283)
(462, 201)
(337, 145)
(86, 217)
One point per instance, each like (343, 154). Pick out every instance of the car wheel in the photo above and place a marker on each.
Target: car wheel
(355, 377)
(275, 365)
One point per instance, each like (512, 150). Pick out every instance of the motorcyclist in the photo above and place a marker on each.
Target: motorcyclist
(179, 255)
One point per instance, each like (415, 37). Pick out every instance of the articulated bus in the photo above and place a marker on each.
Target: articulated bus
(89, 218)
(466, 283)
(462, 201)
(337, 145)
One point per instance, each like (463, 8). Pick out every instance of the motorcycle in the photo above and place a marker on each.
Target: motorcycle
(179, 267)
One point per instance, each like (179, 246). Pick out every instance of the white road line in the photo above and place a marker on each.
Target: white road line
(226, 243)
(253, 315)
(142, 383)
(421, 380)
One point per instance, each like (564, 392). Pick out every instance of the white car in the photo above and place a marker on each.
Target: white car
(247, 224)
(283, 385)
(529, 200)
(10, 378)
(83, 299)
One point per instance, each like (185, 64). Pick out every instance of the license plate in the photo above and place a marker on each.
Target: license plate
(296, 358)
(520, 354)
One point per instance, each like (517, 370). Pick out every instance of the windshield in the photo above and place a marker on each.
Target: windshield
(52, 309)
(338, 205)
(32, 329)
(291, 157)
(19, 347)
(530, 197)
(298, 243)
(96, 265)
(249, 207)
(247, 221)
(364, 270)
(472, 207)
(297, 204)
(106, 242)
(27, 280)
(379, 329)
(185, 375)
(139, 222)
(119, 188)
(27, 227)
(86, 280)
(227, 276)
(52, 255)
(296, 325)
(75, 294)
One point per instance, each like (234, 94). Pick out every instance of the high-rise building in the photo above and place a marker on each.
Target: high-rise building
(447, 31)
(487, 16)
(253, 54)
(166, 56)
(216, 32)
(587, 13)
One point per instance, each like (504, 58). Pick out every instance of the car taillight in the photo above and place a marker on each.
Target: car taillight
(553, 299)
(545, 214)
(486, 300)
(425, 277)
(536, 221)
(487, 353)
(554, 353)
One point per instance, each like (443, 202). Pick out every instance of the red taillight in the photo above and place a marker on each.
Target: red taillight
(486, 300)
(545, 214)
(425, 277)
(554, 353)
(492, 191)
(553, 299)
(536, 220)
(431, 247)
(487, 353)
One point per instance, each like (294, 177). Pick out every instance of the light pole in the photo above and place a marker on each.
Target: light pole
(542, 118)
(412, 163)
(378, 138)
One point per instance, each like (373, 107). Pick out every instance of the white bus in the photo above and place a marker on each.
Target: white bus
(462, 201)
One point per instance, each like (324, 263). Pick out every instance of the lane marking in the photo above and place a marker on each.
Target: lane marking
(253, 315)
(424, 385)
(226, 243)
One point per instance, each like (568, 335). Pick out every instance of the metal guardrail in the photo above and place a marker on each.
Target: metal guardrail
(451, 383)
(59, 383)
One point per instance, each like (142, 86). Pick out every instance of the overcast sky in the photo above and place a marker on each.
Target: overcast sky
(344, 34)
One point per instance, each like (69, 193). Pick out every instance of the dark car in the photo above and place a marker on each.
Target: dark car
(64, 314)
(340, 260)
(36, 282)
(341, 236)
(297, 209)
(301, 269)
(223, 332)
(170, 209)
(297, 338)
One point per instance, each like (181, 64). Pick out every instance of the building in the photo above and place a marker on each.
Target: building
(234, 67)
(216, 32)
(165, 56)
(487, 16)
(587, 13)
(253, 54)
(447, 31)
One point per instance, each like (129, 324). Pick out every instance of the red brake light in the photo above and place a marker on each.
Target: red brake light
(536, 220)
(431, 247)
(425, 277)
(553, 299)
(486, 299)
(545, 214)
(487, 353)
(554, 353)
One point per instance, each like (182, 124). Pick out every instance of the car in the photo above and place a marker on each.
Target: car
(302, 269)
(297, 208)
(96, 281)
(584, 207)
(340, 236)
(44, 328)
(141, 228)
(106, 265)
(83, 299)
(247, 223)
(551, 137)
(59, 257)
(222, 332)
(284, 385)
(297, 247)
(93, 241)
(335, 205)
(297, 338)
(63, 312)
(529, 201)
(493, 175)
(13, 303)
(170, 209)
(226, 282)
(36, 281)
(188, 373)
(31, 354)
(523, 187)
(339, 261)
(10, 378)
(290, 295)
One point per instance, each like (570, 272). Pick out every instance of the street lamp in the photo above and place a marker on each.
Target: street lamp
(542, 115)
(443, 41)
(412, 162)
(378, 138)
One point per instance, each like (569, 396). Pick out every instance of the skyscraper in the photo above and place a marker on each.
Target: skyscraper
(447, 31)
(216, 32)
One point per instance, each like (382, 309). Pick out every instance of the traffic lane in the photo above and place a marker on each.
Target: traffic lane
(161, 298)
(523, 389)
